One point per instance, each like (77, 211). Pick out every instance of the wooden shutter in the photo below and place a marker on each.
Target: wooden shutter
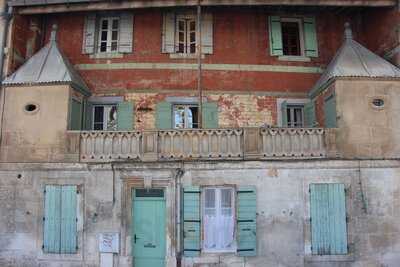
(126, 33)
(52, 219)
(207, 34)
(330, 112)
(284, 114)
(168, 33)
(75, 115)
(310, 37)
(68, 219)
(246, 221)
(125, 116)
(210, 115)
(88, 115)
(328, 219)
(89, 34)
(275, 36)
(309, 114)
(191, 221)
(164, 115)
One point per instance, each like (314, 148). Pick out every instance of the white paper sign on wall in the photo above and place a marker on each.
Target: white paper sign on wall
(109, 242)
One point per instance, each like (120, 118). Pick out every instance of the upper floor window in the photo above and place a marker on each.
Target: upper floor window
(105, 35)
(179, 36)
(296, 113)
(185, 116)
(293, 36)
(186, 34)
(105, 117)
(108, 34)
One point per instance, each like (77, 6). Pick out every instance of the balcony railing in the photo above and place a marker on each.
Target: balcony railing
(205, 144)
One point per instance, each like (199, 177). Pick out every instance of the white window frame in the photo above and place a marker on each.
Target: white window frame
(294, 106)
(299, 21)
(105, 117)
(186, 106)
(289, 101)
(233, 201)
(187, 32)
(109, 34)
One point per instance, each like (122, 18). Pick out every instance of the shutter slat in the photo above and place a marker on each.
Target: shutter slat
(275, 36)
(330, 112)
(207, 34)
(68, 219)
(125, 116)
(310, 37)
(246, 221)
(191, 221)
(52, 211)
(328, 219)
(89, 34)
(168, 33)
(210, 115)
(164, 115)
(125, 43)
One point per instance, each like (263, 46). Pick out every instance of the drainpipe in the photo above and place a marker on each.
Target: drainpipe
(5, 18)
(178, 186)
(199, 89)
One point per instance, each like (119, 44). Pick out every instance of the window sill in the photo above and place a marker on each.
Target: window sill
(294, 58)
(184, 56)
(329, 258)
(107, 55)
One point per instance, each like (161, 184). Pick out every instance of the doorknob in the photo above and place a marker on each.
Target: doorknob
(135, 238)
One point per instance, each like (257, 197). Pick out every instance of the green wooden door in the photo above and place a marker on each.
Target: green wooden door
(148, 231)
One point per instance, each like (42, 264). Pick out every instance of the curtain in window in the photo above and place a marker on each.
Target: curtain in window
(218, 219)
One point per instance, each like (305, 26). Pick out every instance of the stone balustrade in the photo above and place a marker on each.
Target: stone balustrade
(203, 144)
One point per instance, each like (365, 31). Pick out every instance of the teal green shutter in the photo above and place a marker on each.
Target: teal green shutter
(125, 116)
(328, 219)
(164, 115)
(210, 115)
(68, 219)
(246, 221)
(309, 114)
(284, 114)
(88, 115)
(330, 112)
(52, 219)
(275, 36)
(75, 115)
(310, 37)
(191, 221)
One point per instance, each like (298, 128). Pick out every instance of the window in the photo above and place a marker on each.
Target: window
(185, 116)
(108, 34)
(291, 38)
(218, 217)
(60, 219)
(105, 117)
(186, 34)
(328, 219)
(294, 115)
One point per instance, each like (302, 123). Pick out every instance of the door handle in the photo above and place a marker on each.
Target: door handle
(135, 238)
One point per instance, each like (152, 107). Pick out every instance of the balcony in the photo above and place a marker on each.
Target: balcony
(204, 144)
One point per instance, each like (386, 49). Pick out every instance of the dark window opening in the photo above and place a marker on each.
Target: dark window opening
(295, 116)
(291, 39)
(149, 192)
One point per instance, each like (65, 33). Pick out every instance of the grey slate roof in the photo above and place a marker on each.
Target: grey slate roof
(354, 60)
(48, 65)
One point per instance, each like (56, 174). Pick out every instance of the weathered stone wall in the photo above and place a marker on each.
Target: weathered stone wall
(283, 230)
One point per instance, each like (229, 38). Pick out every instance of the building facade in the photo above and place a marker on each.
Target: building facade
(200, 133)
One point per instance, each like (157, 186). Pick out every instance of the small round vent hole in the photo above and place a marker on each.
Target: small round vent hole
(30, 107)
(378, 102)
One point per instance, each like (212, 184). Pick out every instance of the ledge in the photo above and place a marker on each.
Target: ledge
(329, 258)
(294, 58)
(106, 55)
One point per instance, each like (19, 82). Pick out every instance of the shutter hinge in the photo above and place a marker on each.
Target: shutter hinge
(76, 219)
(44, 218)
(77, 191)
(44, 191)
(43, 246)
(76, 247)
(347, 219)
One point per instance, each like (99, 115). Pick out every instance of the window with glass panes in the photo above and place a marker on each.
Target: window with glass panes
(295, 115)
(291, 37)
(185, 116)
(218, 219)
(108, 34)
(105, 117)
(186, 34)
